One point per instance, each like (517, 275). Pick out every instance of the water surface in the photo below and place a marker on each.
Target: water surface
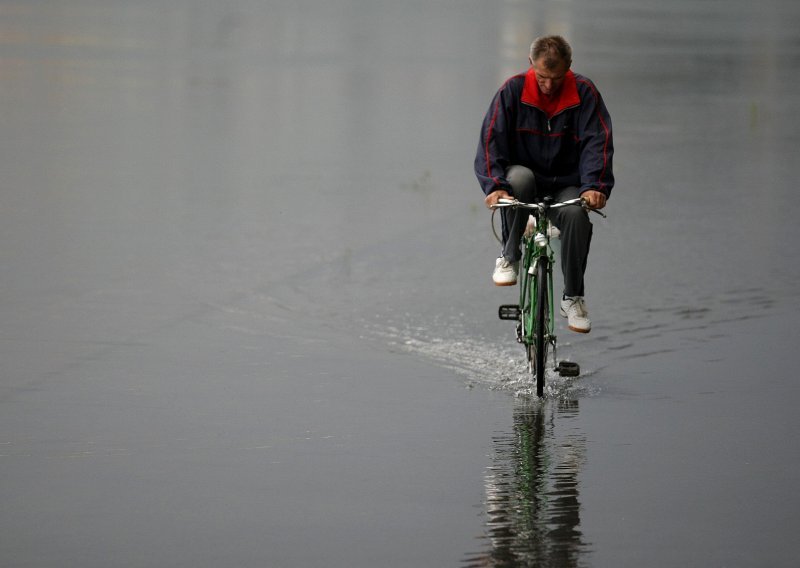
(247, 316)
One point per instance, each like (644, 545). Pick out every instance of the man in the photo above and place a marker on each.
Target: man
(547, 132)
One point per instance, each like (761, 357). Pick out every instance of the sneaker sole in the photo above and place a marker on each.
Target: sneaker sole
(505, 283)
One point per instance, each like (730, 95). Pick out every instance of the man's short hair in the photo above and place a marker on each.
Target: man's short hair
(554, 49)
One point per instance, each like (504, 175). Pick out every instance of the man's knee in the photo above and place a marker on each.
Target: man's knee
(573, 216)
(523, 183)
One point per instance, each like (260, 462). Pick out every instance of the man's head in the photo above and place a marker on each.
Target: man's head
(551, 58)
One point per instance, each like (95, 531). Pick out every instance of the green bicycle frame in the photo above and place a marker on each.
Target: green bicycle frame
(529, 285)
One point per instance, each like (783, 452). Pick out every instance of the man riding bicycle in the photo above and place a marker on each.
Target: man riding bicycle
(548, 133)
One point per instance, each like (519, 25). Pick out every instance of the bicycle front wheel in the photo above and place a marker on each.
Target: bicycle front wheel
(540, 323)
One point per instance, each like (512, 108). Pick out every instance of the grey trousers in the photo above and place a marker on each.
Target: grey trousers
(573, 222)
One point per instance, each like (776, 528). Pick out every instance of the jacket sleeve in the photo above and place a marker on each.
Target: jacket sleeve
(596, 143)
(494, 147)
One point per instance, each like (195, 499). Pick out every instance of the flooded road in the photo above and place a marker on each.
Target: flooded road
(247, 314)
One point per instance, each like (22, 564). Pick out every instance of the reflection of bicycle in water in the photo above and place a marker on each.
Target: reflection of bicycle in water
(532, 489)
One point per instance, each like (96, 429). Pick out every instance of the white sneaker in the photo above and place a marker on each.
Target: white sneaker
(505, 272)
(574, 309)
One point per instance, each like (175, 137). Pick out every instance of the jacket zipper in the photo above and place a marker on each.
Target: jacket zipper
(549, 126)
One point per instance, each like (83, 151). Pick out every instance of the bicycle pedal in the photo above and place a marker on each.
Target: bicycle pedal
(568, 369)
(509, 312)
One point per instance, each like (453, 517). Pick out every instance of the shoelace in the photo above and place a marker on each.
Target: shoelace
(579, 306)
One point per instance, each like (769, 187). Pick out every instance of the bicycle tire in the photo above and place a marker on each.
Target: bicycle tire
(541, 327)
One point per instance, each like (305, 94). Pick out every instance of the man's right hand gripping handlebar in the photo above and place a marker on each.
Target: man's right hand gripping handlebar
(493, 198)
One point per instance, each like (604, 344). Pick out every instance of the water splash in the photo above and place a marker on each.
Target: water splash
(486, 362)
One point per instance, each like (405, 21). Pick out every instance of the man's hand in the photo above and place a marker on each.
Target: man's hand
(496, 195)
(594, 199)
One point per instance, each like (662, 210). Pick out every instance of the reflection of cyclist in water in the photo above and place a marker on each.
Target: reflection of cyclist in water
(532, 504)
(548, 132)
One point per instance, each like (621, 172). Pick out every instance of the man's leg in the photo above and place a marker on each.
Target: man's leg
(576, 236)
(523, 188)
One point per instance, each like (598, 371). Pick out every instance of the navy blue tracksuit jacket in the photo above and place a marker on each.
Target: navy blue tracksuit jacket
(566, 143)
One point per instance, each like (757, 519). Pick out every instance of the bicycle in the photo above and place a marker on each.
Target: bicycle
(535, 312)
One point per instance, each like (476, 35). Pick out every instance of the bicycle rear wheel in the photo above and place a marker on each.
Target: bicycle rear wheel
(541, 327)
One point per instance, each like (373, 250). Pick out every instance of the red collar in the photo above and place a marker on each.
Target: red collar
(567, 97)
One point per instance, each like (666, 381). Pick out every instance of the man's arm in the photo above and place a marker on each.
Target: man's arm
(494, 146)
(597, 146)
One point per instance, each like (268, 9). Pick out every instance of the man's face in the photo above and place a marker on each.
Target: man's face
(549, 80)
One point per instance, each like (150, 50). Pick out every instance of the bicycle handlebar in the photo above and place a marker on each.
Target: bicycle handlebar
(542, 206)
